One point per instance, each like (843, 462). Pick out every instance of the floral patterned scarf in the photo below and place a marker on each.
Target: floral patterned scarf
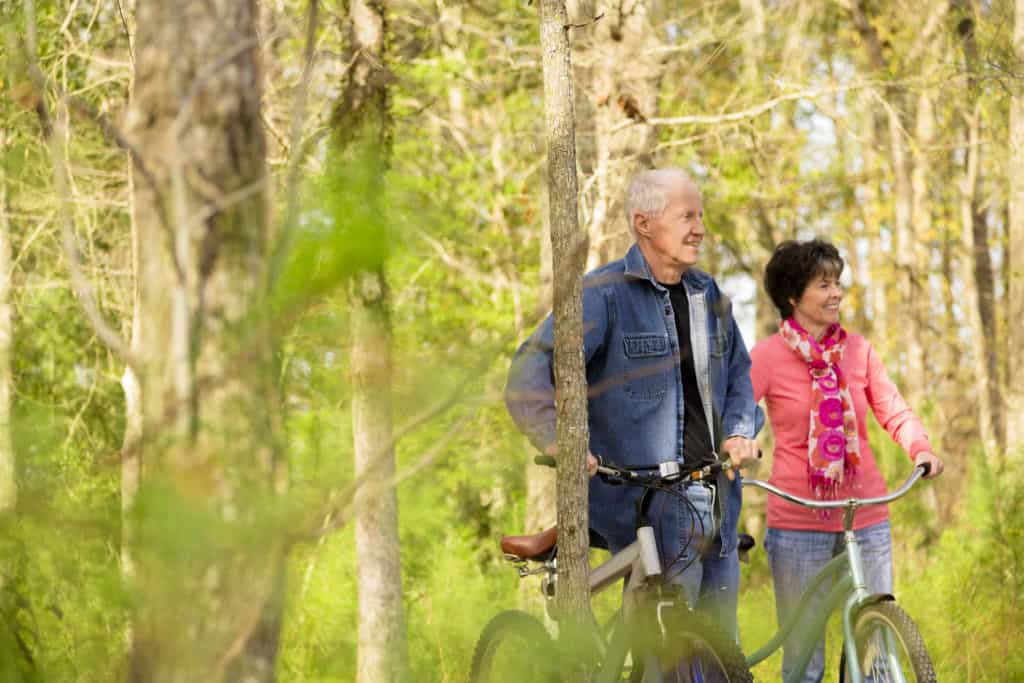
(833, 449)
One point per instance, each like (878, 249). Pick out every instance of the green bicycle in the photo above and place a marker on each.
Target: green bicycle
(881, 642)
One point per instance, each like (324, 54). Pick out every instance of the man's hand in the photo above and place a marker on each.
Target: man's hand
(592, 461)
(741, 450)
(931, 459)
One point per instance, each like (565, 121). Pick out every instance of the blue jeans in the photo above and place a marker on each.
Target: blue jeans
(711, 582)
(797, 556)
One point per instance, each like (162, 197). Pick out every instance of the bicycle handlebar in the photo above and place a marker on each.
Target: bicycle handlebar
(919, 471)
(618, 473)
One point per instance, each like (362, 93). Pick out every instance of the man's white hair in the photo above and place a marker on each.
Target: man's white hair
(648, 191)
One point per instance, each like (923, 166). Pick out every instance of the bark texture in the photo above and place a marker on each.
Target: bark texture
(209, 449)
(909, 283)
(8, 487)
(131, 463)
(978, 269)
(378, 562)
(568, 247)
(974, 302)
(614, 139)
(1015, 256)
(362, 133)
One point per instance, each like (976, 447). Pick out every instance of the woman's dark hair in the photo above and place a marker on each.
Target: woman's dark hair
(794, 264)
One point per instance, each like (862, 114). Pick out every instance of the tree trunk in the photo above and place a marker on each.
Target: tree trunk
(613, 103)
(541, 505)
(131, 463)
(974, 217)
(209, 557)
(972, 298)
(1015, 255)
(362, 132)
(871, 216)
(378, 562)
(131, 444)
(8, 487)
(907, 283)
(950, 356)
(568, 248)
(923, 230)
(908, 315)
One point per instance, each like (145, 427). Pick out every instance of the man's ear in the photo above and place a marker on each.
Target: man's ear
(641, 226)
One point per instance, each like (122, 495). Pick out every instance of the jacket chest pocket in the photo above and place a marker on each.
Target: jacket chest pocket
(647, 366)
(718, 345)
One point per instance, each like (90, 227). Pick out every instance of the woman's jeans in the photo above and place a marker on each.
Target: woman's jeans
(797, 556)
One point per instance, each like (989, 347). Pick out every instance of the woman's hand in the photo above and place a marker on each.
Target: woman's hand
(931, 459)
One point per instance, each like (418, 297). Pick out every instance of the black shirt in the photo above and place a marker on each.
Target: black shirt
(697, 446)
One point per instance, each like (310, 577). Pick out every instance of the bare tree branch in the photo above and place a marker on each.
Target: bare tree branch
(127, 33)
(752, 112)
(44, 84)
(82, 288)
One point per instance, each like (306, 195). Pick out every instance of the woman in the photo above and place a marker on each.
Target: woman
(818, 383)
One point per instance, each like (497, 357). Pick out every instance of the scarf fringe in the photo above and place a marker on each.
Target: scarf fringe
(826, 488)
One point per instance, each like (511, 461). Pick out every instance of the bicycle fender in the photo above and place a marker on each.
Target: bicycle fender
(875, 598)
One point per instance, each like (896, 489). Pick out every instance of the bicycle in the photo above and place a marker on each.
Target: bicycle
(880, 639)
(654, 636)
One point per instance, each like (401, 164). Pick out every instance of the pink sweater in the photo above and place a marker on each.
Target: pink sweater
(780, 377)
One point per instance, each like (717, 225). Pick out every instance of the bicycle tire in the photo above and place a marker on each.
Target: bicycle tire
(870, 624)
(514, 646)
(695, 648)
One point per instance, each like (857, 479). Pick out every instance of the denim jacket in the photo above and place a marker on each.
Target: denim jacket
(635, 394)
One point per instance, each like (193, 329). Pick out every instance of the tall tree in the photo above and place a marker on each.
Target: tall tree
(613, 105)
(8, 488)
(895, 102)
(209, 584)
(362, 133)
(568, 251)
(1015, 255)
(979, 282)
(131, 462)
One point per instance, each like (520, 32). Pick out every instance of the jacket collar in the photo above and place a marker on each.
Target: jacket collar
(636, 268)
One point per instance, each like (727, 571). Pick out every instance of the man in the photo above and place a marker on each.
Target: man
(668, 380)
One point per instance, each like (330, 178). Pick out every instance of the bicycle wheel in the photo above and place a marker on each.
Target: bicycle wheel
(514, 646)
(697, 650)
(889, 646)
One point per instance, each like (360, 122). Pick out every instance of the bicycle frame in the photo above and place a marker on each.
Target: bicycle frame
(639, 560)
(848, 589)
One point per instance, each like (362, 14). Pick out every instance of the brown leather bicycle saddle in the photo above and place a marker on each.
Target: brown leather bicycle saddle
(531, 546)
(539, 546)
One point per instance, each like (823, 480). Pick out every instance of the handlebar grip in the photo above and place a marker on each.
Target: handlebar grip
(545, 460)
(927, 467)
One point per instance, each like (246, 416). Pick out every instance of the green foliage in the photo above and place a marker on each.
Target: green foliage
(456, 225)
(63, 604)
(968, 593)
